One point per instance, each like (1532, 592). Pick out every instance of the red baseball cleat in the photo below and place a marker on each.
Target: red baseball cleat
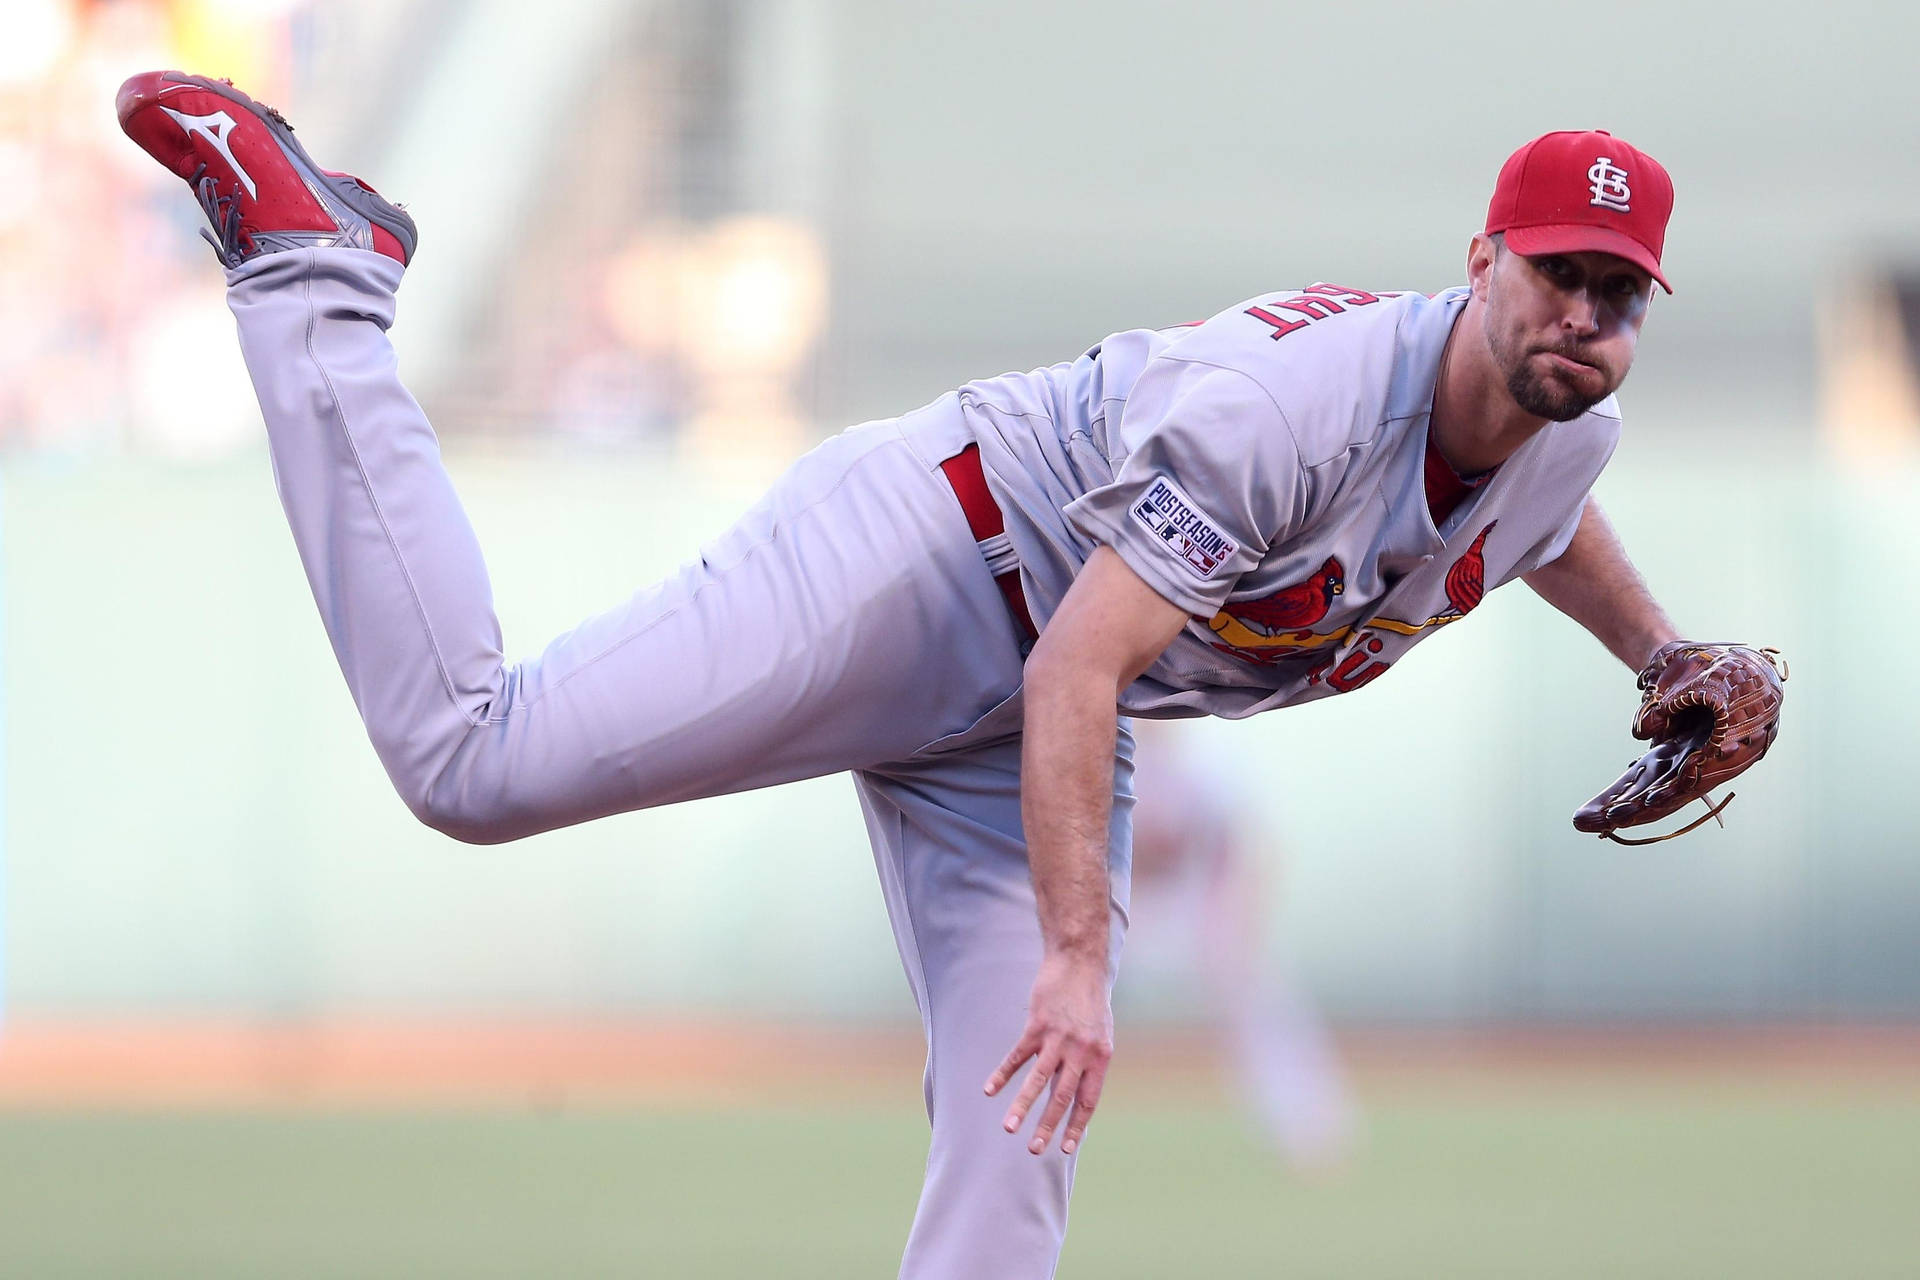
(260, 189)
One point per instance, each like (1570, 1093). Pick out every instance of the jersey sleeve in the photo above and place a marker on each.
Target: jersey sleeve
(1212, 477)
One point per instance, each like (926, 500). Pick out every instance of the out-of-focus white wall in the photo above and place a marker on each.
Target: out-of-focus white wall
(1016, 178)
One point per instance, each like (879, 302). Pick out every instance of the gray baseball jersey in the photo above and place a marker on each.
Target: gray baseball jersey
(1264, 470)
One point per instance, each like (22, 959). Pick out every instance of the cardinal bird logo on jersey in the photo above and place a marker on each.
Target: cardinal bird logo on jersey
(1467, 579)
(1297, 606)
(1365, 659)
(1465, 584)
(1279, 626)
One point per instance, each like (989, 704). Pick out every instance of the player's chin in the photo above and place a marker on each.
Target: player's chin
(1569, 388)
(1550, 399)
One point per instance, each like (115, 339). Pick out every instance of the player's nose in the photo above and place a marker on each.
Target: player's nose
(1582, 315)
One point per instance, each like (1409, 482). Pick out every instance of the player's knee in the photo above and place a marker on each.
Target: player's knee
(468, 828)
(469, 815)
(462, 822)
(458, 788)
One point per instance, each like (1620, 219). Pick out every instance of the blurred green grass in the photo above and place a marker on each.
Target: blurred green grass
(1642, 1182)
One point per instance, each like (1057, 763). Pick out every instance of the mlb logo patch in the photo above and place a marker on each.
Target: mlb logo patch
(1171, 516)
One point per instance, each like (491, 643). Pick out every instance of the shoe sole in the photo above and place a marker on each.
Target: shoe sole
(375, 208)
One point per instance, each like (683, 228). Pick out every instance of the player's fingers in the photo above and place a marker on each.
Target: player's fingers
(1064, 1085)
(1025, 1048)
(1085, 1098)
(1043, 1068)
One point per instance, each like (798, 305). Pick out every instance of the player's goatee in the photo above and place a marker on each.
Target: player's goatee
(1544, 400)
(1542, 397)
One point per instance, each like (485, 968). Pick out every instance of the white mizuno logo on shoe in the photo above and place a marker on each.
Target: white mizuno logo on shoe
(215, 129)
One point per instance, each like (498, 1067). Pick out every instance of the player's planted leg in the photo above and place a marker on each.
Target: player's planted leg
(947, 839)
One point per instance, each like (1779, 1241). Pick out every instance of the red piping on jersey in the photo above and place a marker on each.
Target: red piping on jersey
(969, 481)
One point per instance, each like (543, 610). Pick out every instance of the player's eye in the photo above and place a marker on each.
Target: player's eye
(1554, 268)
(1627, 294)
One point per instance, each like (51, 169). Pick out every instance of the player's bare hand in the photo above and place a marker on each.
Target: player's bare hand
(1069, 1040)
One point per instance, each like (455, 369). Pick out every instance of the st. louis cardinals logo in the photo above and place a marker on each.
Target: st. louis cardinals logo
(1467, 579)
(1279, 627)
(1610, 190)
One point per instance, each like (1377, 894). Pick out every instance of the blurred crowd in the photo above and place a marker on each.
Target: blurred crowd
(86, 241)
(658, 310)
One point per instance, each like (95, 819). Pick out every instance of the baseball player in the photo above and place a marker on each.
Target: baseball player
(959, 605)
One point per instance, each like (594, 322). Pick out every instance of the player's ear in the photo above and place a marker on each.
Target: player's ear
(1482, 252)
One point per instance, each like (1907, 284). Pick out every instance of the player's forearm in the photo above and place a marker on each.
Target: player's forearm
(1066, 789)
(1108, 629)
(1597, 586)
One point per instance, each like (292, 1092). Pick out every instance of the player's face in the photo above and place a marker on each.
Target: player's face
(1562, 328)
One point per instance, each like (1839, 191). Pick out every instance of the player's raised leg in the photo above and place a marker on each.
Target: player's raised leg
(803, 642)
(947, 838)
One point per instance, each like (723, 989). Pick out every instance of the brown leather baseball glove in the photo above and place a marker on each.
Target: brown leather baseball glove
(1711, 711)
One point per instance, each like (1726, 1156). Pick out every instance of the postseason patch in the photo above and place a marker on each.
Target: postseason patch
(1171, 516)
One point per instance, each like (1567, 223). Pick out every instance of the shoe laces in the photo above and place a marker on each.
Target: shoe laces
(223, 211)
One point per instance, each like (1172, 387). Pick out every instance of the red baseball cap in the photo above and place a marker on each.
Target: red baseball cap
(1572, 192)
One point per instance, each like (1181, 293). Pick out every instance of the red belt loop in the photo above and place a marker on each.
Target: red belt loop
(969, 481)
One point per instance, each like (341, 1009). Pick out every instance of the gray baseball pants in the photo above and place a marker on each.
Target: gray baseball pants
(847, 622)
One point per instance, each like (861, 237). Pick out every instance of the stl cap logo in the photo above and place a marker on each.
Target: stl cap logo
(1609, 185)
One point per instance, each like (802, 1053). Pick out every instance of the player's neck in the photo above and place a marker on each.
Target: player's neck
(1476, 424)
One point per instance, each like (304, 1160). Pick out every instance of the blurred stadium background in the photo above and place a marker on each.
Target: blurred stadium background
(253, 1021)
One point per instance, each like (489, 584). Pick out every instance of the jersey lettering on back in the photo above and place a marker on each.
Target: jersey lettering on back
(1315, 302)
